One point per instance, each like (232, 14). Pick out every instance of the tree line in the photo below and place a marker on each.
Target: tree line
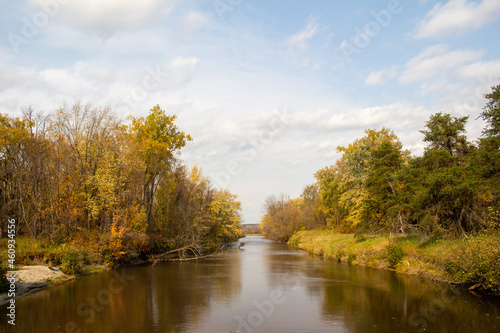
(81, 170)
(378, 186)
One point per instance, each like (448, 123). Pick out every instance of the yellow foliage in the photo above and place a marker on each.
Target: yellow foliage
(115, 244)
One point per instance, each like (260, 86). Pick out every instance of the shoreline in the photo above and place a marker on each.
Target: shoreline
(33, 278)
(30, 279)
(442, 260)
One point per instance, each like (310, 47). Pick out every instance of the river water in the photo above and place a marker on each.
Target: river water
(263, 287)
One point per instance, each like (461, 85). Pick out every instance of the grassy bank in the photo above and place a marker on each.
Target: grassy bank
(71, 258)
(474, 261)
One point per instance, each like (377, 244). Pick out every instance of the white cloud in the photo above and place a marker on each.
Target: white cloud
(306, 119)
(378, 78)
(300, 39)
(194, 20)
(370, 117)
(328, 148)
(481, 69)
(361, 118)
(467, 98)
(127, 90)
(456, 17)
(179, 71)
(433, 60)
(108, 16)
(439, 86)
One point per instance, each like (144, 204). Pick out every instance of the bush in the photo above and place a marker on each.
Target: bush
(71, 262)
(351, 258)
(477, 262)
(340, 254)
(395, 254)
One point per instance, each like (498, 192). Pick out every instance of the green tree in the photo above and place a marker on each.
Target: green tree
(491, 113)
(446, 183)
(447, 132)
(380, 206)
(489, 146)
(487, 158)
(354, 167)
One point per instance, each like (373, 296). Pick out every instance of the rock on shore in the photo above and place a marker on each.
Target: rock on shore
(33, 278)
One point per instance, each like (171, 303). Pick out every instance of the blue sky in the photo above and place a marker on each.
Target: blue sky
(268, 89)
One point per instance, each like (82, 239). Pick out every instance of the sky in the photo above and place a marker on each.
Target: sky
(268, 89)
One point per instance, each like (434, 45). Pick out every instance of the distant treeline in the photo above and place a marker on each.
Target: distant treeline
(81, 170)
(377, 186)
(252, 229)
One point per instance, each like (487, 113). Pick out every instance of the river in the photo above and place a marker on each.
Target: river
(262, 287)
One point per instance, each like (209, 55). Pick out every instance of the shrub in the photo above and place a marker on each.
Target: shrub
(71, 262)
(340, 254)
(350, 258)
(115, 244)
(395, 254)
(477, 262)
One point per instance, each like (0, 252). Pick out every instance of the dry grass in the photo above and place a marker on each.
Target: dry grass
(30, 251)
(474, 261)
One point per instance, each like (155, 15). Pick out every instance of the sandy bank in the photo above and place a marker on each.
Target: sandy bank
(33, 278)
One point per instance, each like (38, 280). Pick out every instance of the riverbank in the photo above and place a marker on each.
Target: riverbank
(34, 278)
(473, 262)
(40, 264)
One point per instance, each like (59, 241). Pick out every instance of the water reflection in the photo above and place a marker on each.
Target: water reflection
(371, 300)
(169, 297)
(263, 287)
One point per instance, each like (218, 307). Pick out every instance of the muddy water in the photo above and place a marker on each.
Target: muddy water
(263, 287)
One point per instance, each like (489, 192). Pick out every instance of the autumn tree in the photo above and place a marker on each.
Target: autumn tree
(355, 166)
(190, 211)
(311, 206)
(282, 218)
(87, 164)
(328, 183)
(159, 140)
(223, 223)
(80, 171)
(14, 173)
